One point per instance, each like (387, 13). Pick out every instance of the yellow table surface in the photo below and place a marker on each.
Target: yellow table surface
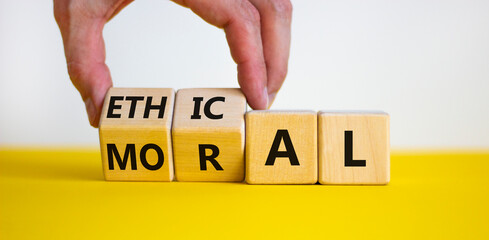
(61, 194)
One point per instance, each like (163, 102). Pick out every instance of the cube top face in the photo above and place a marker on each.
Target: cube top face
(281, 147)
(138, 108)
(352, 113)
(209, 108)
(280, 112)
(354, 147)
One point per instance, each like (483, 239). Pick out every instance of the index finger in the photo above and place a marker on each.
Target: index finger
(241, 22)
(276, 17)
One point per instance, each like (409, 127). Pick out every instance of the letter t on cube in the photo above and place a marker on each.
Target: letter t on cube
(135, 138)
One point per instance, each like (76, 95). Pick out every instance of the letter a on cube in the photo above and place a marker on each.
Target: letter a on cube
(281, 147)
(208, 134)
(353, 148)
(135, 137)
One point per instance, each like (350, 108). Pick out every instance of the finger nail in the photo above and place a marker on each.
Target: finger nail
(271, 98)
(91, 111)
(265, 95)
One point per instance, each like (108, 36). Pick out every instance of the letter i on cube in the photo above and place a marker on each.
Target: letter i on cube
(208, 134)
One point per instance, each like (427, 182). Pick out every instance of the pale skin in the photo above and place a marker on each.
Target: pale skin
(257, 32)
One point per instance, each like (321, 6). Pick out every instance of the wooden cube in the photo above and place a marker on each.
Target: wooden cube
(208, 134)
(281, 147)
(135, 138)
(353, 148)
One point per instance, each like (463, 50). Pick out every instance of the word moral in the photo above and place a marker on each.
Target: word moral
(207, 134)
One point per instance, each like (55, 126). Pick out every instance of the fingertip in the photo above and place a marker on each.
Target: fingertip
(265, 97)
(258, 101)
(91, 112)
(94, 100)
(99, 95)
(271, 99)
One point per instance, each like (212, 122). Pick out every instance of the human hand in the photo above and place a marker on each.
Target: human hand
(257, 31)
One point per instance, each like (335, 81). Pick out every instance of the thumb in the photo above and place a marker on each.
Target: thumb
(85, 56)
(92, 81)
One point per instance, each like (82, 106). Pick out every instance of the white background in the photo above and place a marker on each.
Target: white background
(426, 63)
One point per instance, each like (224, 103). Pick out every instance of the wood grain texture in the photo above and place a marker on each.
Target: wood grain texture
(226, 134)
(370, 139)
(148, 133)
(261, 132)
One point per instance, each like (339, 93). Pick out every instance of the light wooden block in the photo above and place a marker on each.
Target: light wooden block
(135, 138)
(208, 134)
(353, 148)
(281, 147)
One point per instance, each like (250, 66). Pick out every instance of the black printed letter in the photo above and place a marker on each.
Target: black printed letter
(134, 101)
(112, 106)
(149, 107)
(196, 114)
(207, 108)
(349, 162)
(129, 153)
(211, 158)
(158, 150)
(289, 149)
